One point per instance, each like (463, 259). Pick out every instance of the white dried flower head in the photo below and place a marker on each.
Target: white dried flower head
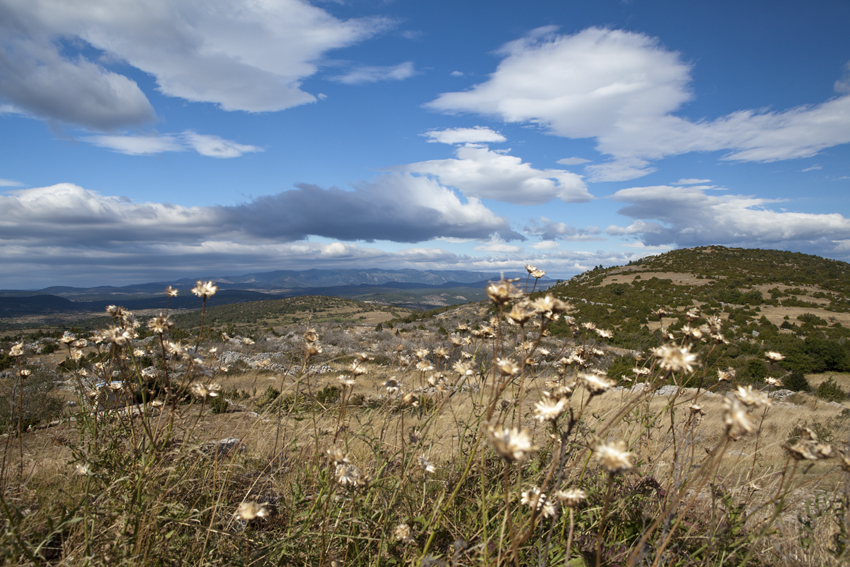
(403, 533)
(463, 368)
(410, 400)
(24, 372)
(736, 419)
(67, 338)
(774, 382)
(537, 274)
(691, 332)
(82, 469)
(204, 289)
(604, 334)
(311, 336)
(159, 325)
(250, 510)
(597, 352)
(139, 353)
(205, 390)
(522, 312)
(502, 292)
(571, 498)
(676, 358)
(641, 371)
(715, 323)
(533, 498)
(312, 349)
(249, 341)
(346, 381)
(696, 410)
(462, 328)
(80, 343)
(550, 409)
(149, 372)
(456, 340)
(595, 383)
(441, 353)
(76, 354)
(725, 375)
(507, 367)
(530, 269)
(774, 356)
(347, 474)
(752, 398)
(692, 314)
(337, 456)
(424, 366)
(426, 465)
(357, 369)
(560, 392)
(170, 292)
(392, 385)
(589, 325)
(117, 335)
(512, 444)
(17, 349)
(421, 353)
(614, 457)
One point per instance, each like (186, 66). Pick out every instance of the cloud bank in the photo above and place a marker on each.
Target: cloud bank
(623, 89)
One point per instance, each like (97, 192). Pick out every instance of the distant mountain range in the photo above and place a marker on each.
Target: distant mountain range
(410, 287)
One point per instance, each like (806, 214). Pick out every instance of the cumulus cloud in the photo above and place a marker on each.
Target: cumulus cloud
(687, 216)
(240, 56)
(476, 135)
(498, 246)
(623, 89)
(150, 144)
(398, 208)
(550, 230)
(481, 173)
(573, 161)
(366, 74)
(546, 245)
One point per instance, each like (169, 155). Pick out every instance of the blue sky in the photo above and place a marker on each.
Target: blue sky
(146, 140)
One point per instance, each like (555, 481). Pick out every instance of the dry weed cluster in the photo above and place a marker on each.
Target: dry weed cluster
(493, 445)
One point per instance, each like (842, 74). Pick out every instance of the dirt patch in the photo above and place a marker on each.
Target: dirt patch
(678, 278)
(776, 314)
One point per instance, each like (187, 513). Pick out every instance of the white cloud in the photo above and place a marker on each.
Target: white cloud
(476, 135)
(813, 168)
(623, 88)
(485, 174)
(456, 74)
(842, 85)
(498, 246)
(551, 230)
(150, 144)
(10, 183)
(365, 74)
(573, 161)
(546, 245)
(687, 216)
(249, 56)
(692, 181)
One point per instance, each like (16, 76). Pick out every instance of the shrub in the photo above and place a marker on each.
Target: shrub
(797, 382)
(829, 390)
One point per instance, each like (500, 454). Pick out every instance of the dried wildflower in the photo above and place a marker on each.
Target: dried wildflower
(725, 375)
(337, 456)
(76, 354)
(392, 385)
(808, 448)
(549, 304)
(249, 341)
(752, 398)
(513, 445)
(82, 470)
(424, 366)
(347, 474)
(537, 274)
(736, 419)
(692, 314)
(715, 324)
(597, 352)
(149, 372)
(455, 340)
(844, 460)
(604, 334)
(17, 349)
(204, 289)
(160, 324)
(346, 381)
(675, 358)
(550, 409)
(507, 367)
(311, 336)
(522, 312)
(441, 353)
(357, 369)
(421, 353)
(461, 328)
(691, 332)
(560, 392)
(312, 349)
(426, 465)
(463, 368)
(410, 399)
(67, 338)
(696, 410)
(24, 373)
(205, 391)
(530, 269)
(250, 510)
(614, 457)
(502, 292)
(535, 499)
(117, 335)
(773, 382)
(641, 371)
(595, 384)
(170, 292)
(571, 498)
(403, 534)
(774, 356)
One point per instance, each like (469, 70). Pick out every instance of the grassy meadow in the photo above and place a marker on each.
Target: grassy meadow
(605, 423)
